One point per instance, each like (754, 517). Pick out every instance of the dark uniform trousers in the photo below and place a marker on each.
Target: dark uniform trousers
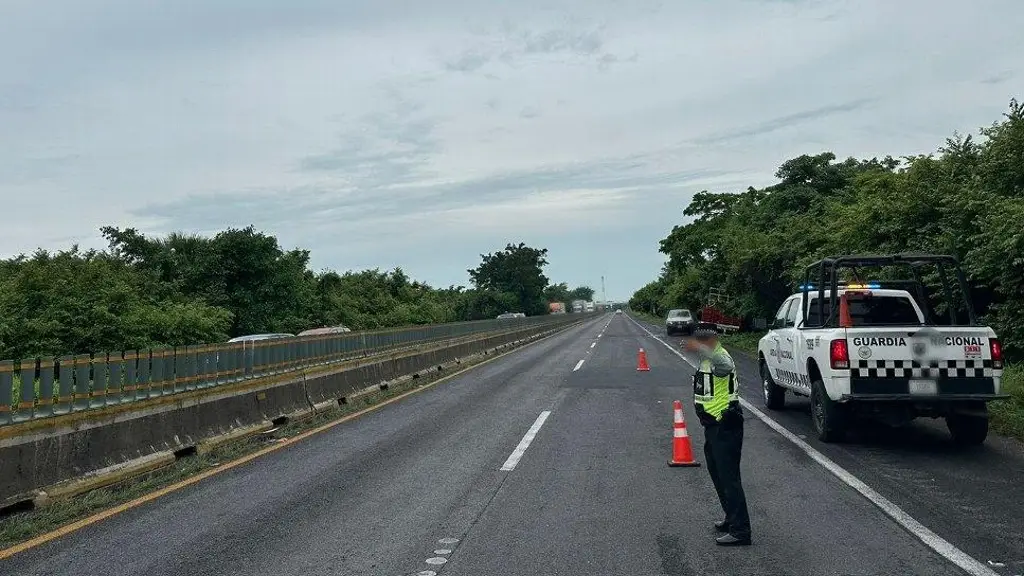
(723, 443)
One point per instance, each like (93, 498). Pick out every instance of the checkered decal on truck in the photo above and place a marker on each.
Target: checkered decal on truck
(915, 369)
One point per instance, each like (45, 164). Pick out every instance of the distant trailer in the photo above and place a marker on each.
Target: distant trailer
(724, 322)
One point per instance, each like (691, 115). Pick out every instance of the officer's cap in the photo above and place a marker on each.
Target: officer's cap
(705, 330)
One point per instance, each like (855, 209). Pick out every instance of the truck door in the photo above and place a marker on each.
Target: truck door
(782, 337)
(787, 343)
(804, 344)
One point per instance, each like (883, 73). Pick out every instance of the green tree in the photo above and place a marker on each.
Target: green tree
(557, 293)
(581, 293)
(72, 301)
(517, 270)
(246, 272)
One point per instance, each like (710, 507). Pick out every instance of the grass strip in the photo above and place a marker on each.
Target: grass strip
(1007, 416)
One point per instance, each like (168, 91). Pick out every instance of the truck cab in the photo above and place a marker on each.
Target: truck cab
(881, 353)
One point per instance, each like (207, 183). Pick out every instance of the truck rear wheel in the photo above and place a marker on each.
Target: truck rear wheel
(773, 394)
(968, 429)
(829, 417)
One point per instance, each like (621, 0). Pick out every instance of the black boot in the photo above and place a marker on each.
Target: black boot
(722, 526)
(730, 540)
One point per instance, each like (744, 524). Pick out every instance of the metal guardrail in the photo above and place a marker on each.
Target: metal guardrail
(74, 383)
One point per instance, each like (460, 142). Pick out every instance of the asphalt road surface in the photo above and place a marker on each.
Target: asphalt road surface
(540, 464)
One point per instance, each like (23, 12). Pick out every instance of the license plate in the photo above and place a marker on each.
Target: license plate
(924, 387)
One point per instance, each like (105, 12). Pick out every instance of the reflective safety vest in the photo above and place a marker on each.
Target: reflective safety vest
(711, 393)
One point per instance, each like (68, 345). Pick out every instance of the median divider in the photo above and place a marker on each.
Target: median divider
(64, 455)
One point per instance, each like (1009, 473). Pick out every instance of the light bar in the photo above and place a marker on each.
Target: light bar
(867, 286)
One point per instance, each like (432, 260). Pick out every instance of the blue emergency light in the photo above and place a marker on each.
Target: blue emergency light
(869, 286)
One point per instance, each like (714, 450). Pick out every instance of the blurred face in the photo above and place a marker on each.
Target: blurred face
(710, 341)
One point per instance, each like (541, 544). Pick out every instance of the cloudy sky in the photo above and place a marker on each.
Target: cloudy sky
(420, 134)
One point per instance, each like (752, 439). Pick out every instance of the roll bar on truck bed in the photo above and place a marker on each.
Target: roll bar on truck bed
(825, 272)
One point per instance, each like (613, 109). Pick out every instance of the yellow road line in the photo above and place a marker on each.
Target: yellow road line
(100, 516)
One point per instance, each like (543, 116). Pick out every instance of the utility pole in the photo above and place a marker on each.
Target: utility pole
(604, 295)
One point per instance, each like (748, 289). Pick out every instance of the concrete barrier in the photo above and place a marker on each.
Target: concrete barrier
(44, 453)
(47, 457)
(286, 400)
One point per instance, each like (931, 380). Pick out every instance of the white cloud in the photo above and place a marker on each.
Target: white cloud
(422, 134)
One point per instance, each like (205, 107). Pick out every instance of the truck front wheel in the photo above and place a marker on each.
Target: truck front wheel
(829, 417)
(968, 429)
(774, 395)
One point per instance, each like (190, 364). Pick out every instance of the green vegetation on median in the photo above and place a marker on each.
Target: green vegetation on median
(743, 341)
(1008, 415)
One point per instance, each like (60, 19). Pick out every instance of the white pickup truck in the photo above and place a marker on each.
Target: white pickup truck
(880, 355)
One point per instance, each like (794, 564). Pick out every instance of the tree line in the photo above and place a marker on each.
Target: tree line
(966, 199)
(186, 289)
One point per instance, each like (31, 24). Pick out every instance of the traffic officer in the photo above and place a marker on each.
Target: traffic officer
(716, 399)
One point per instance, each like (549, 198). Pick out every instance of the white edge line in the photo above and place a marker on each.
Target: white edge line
(517, 454)
(578, 364)
(937, 543)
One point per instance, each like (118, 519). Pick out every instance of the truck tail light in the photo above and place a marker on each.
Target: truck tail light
(839, 355)
(997, 353)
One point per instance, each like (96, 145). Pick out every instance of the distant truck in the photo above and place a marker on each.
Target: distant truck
(578, 305)
(589, 306)
(723, 321)
(556, 307)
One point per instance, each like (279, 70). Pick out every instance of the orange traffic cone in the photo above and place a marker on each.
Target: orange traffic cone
(845, 320)
(641, 361)
(682, 454)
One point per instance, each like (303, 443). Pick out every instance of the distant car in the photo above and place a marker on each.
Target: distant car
(253, 337)
(618, 311)
(679, 321)
(325, 331)
(506, 316)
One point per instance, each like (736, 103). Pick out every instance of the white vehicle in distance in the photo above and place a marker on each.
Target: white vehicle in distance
(325, 331)
(254, 337)
(679, 320)
(880, 354)
(508, 315)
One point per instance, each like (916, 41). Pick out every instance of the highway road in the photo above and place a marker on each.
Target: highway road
(552, 461)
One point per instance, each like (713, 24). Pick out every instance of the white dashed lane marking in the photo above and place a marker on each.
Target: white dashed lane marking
(578, 365)
(594, 344)
(517, 454)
